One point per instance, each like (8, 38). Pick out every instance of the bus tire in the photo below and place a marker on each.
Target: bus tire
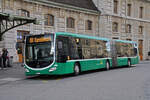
(107, 65)
(76, 69)
(129, 63)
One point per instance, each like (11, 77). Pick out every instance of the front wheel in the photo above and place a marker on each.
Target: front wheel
(76, 69)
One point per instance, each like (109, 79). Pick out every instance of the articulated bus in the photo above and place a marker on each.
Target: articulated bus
(65, 53)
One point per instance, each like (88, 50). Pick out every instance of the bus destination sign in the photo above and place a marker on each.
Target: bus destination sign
(39, 39)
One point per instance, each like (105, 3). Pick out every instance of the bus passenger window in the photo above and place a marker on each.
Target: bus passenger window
(73, 48)
(135, 51)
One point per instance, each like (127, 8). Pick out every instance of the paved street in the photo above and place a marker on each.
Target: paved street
(116, 84)
(12, 74)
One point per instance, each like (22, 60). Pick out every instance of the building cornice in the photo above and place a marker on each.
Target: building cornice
(127, 17)
(146, 0)
(64, 6)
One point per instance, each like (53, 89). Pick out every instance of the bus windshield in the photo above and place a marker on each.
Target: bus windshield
(39, 51)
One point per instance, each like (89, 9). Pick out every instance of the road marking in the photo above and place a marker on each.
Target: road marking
(44, 81)
(10, 79)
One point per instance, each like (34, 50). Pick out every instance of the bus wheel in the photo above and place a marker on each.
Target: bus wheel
(107, 65)
(129, 63)
(76, 69)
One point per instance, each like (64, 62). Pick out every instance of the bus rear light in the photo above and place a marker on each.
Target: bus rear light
(52, 69)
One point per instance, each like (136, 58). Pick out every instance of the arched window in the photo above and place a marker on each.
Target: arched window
(115, 27)
(141, 29)
(128, 28)
(23, 12)
(70, 22)
(49, 20)
(88, 25)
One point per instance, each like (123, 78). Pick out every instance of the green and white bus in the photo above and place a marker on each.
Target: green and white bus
(64, 53)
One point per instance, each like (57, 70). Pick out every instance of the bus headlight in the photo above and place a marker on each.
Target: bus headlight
(26, 70)
(52, 69)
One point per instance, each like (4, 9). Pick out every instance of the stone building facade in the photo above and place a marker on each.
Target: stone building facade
(53, 16)
(126, 20)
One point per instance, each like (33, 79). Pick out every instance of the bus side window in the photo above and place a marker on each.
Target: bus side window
(101, 49)
(79, 43)
(73, 48)
(93, 49)
(118, 48)
(135, 51)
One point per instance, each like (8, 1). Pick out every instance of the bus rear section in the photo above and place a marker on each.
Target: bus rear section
(124, 53)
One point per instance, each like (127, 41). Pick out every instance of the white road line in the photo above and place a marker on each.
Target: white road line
(10, 79)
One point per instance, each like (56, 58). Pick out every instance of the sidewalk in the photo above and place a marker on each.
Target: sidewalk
(144, 61)
(14, 73)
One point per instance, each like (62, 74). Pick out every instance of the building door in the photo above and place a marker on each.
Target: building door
(141, 49)
(20, 44)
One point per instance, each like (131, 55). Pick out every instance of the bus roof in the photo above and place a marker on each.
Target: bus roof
(80, 36)
(125, 41)
(85, 36)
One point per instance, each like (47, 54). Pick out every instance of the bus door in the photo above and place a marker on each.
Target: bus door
(62, 49)
(114, 54)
